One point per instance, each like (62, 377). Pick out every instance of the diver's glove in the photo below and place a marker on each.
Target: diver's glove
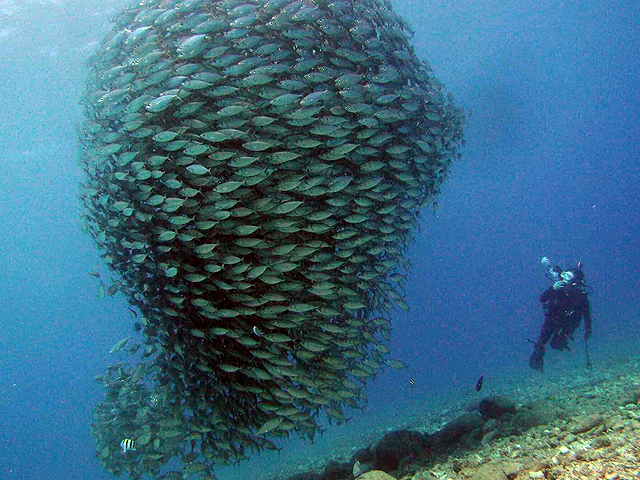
(537, 359)
(559, 284)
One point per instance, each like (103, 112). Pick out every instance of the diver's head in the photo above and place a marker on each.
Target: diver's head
(573, 277)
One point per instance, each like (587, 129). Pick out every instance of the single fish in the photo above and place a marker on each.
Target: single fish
(479, 383)
(127, 445)
(119, 345)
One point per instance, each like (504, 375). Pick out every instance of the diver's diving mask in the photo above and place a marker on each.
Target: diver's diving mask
(567, 276)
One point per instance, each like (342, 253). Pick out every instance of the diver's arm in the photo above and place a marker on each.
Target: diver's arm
(546, 295)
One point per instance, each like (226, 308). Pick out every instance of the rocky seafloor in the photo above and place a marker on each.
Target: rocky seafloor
(577, 425)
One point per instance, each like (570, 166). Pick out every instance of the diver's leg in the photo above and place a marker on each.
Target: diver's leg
(537, 358)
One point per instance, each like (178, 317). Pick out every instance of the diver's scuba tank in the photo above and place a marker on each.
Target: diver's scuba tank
(553, 271)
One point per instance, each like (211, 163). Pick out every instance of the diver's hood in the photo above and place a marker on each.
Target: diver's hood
(576, 275)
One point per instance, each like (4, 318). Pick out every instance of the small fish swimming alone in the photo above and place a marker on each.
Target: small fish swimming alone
(257, 332)
(479, 383)
(127, 444)
(119, 345)
(412, 382)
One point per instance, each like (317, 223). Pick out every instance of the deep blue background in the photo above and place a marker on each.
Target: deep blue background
(550, 168)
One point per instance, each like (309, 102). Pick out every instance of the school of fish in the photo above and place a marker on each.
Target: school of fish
(254, 170)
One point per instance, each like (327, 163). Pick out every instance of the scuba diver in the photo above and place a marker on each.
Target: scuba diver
(565, 304)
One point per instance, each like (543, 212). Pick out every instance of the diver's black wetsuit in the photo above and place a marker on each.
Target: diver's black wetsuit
(564, 308)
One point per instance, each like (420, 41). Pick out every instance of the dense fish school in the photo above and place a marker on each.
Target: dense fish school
(253, 173)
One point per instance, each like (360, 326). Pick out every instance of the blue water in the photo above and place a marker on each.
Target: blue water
(550, 168)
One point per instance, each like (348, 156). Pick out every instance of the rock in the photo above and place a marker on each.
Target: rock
(395, 446)
(584, 424)
(612, 422)
(489, 437)
(376, 475)
(497, 471)
(628, 397)
(456, 465)
(496, 406)
(335, 470)
(363, 455)
(304, 476)
(408, 460)
(532, 417)
(459, 426)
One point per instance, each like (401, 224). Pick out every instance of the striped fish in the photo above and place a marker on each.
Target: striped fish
(127, 444)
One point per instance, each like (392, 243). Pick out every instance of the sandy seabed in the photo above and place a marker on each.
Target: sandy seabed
(593, 432)
(572, 423)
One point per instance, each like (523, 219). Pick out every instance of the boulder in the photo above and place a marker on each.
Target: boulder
(459, 426)
(496, 406)
(395, 446)
(376, 475)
